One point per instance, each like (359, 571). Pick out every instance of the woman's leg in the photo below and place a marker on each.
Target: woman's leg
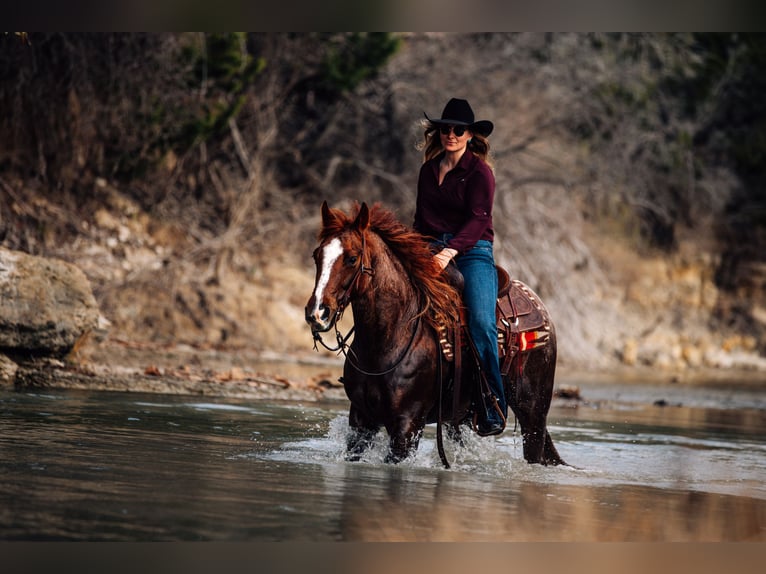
(480, 297)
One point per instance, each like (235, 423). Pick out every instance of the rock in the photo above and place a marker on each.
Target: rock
(658, 349)
(7, 371)
(740, 360)
(567, 392)
(693, 355)
(630, 352)
(46, 305)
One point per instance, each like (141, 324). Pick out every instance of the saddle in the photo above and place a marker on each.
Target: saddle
(522, 320)
(522, 323)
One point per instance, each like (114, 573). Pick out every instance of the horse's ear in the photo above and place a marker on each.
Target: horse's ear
(362, 221)
(327, 215)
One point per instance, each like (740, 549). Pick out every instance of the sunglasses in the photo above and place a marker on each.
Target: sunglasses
(458, 130)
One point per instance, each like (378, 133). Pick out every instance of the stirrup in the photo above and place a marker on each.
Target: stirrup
(490, 428)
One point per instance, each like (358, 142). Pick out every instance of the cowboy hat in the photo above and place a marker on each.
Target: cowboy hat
(458, 112)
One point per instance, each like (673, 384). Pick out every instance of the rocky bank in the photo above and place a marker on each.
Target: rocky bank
(53, 336)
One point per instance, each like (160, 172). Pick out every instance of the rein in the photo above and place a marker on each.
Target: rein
(392, 367)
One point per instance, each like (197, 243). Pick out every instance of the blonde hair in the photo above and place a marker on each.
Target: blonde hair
(432, 144)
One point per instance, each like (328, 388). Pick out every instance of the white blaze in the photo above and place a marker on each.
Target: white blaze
(330, 254)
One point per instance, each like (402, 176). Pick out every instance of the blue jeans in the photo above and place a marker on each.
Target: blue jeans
(480, 298)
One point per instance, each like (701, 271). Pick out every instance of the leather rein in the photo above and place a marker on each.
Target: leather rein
(342, 341)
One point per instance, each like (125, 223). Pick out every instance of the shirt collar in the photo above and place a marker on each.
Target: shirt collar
(464, 163)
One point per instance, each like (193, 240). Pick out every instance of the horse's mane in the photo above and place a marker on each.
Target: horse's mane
(439, 301)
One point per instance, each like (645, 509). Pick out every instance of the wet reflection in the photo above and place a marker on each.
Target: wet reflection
(383, 505)
(736, 420)
(90, 466)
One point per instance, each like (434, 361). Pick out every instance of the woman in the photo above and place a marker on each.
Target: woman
(456, 189)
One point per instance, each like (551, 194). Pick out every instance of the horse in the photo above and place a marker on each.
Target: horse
(395, 374)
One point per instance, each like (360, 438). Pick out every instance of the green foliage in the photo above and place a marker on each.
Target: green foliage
(353, 58)
(684, 105)
(224, 70)
(732, 76)
(745, 105)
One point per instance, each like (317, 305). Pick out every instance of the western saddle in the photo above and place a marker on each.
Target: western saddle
(522, 324)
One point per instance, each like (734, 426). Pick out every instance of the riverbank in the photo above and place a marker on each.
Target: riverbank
(120, 366)
(239, 373)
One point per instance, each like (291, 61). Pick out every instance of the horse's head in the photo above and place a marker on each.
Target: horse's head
(339, 263)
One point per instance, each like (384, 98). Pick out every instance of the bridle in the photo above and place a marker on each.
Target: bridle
(343, 302)
(342, 341)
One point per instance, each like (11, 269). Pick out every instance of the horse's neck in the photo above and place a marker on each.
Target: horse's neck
(385, 308)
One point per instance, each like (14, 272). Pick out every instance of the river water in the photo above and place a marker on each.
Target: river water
(650, 463)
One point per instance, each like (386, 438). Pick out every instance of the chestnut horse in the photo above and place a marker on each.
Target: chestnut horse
(394, 373)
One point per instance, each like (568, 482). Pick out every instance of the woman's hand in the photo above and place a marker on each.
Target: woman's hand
(444, 257)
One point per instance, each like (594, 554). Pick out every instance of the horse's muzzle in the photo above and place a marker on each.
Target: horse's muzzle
(319, 318)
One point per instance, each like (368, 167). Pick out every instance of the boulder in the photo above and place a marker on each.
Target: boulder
(8, 371)
(46, 305)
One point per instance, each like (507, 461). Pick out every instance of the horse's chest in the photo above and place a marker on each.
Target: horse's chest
(365, 393)
(377, 397)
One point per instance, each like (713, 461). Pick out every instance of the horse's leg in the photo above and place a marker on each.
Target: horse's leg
(455, 434)
(405, 435)
(357, 443)
(361, 435)
(550, 454)
(530, 399)
(532, 431)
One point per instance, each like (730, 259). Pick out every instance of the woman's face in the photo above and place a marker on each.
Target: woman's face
(451, 141)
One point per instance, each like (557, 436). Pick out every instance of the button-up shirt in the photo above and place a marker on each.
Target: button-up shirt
(460, 206)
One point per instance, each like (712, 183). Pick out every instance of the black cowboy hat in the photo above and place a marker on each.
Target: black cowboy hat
(459, 113)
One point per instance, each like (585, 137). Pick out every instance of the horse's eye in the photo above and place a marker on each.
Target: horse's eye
(352, 259)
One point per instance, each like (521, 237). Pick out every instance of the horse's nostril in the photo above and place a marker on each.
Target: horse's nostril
(318, 314)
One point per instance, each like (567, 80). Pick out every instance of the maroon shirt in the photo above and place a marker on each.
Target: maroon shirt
(462, 205)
